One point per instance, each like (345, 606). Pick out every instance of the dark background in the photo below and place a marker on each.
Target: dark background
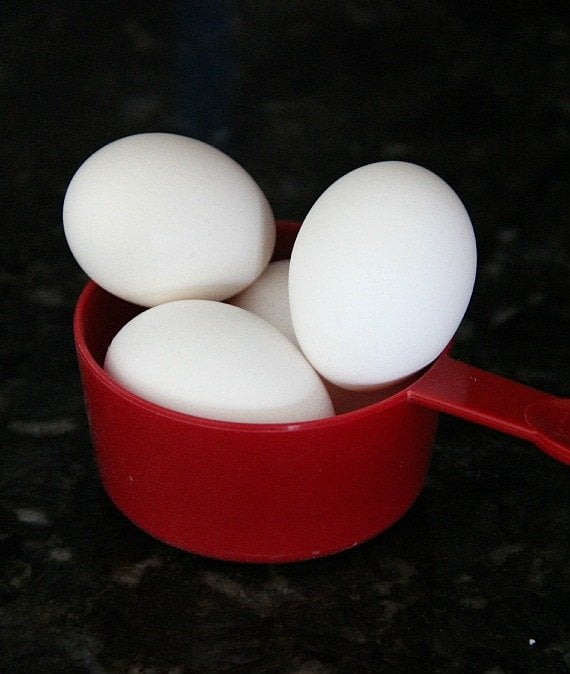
(476, 577)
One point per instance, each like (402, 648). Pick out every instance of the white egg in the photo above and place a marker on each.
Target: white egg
(217, 361)
(157, 217)
(268, 297)
(381, 274)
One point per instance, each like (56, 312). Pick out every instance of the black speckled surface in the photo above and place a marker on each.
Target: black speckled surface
(476, 577)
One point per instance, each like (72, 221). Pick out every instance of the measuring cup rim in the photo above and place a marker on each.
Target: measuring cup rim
(82, 309)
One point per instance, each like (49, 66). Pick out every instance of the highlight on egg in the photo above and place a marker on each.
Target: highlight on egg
(381, 274)
(157, 217)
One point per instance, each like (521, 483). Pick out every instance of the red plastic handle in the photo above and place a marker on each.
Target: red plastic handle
(488, 399)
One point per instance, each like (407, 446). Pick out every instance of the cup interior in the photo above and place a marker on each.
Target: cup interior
(100, 315)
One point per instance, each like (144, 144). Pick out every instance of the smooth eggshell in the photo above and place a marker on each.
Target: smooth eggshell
(381, 274)
(214, 360)
(268, 297)
(157, 217)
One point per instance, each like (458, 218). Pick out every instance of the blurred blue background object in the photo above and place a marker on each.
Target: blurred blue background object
(205, 69)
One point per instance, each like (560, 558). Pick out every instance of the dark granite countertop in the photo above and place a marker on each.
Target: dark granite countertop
(476, 577)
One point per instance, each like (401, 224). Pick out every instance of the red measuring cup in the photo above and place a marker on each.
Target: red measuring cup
(285, 492)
